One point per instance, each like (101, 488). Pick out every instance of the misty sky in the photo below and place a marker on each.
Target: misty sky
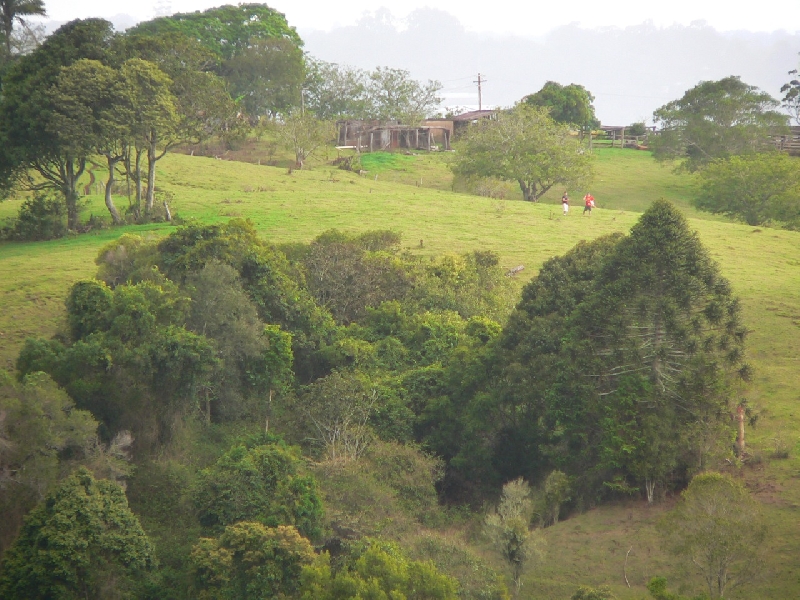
(632, 56)
(497, 16)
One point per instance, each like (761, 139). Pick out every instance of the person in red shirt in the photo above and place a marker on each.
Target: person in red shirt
(588, 201)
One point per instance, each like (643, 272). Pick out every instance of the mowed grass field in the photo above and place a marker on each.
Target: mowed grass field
(414, 199)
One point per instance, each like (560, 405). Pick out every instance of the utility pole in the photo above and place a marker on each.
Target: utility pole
(479, 82)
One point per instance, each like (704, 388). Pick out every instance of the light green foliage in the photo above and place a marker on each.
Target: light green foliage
(525, 145)
(657, 587)
(249, 560)
(587, 593)
(82, 541)
(337, 410)
(305, 135)
(716, 119)
(508, 528)
(385, 94)
(717, 528)
(757, 189)
(262, 483)
(570, 104)
(376, 570)
(555, 492)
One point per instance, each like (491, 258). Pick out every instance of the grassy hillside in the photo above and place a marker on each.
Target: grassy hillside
(590, 548)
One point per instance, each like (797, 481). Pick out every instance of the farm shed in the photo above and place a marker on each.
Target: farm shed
(464, 120)
(373, 135)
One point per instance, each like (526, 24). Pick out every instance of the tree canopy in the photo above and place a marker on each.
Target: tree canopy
(225, 30)
(525, 145)
(569, 104)
(81, 542)
(716, 119)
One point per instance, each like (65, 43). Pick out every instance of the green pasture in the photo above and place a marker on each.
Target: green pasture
(411, 195)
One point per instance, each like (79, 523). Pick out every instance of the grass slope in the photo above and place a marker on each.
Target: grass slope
(588, 548)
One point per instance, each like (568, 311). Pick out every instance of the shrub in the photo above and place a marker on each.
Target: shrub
(40, 218)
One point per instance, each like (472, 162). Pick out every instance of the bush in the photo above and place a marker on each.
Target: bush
(40, 218)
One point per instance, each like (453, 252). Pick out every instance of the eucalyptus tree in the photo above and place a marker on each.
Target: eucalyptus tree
(716, 119)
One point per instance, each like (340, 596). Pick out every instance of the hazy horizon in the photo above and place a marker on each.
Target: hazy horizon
(630, 70)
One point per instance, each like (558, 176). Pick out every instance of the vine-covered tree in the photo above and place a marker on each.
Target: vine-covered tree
(262, 483)
(524, 145)
(82, 541)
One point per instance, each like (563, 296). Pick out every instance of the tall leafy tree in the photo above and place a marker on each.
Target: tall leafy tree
(266, 77)
(570, 104)
(524, 145)
(30, 140)
(90, 108)
(716, 119)
(81, 542)
(17, 11)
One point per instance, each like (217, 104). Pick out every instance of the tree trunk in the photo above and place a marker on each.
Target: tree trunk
(151, 172)
(528, 191)
(112, 165)
(70, 189)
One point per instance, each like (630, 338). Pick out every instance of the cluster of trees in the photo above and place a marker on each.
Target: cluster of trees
(338, 91)
(726, 131)
(614, 375)
(88, 94)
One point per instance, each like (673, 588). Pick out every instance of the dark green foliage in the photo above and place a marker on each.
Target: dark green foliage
(82, 541)
(269, 280)
(617, 367)
(39, 218)
(570, 104)
(133, 364)
(42, 436)
(30, 140)
(262, 483)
